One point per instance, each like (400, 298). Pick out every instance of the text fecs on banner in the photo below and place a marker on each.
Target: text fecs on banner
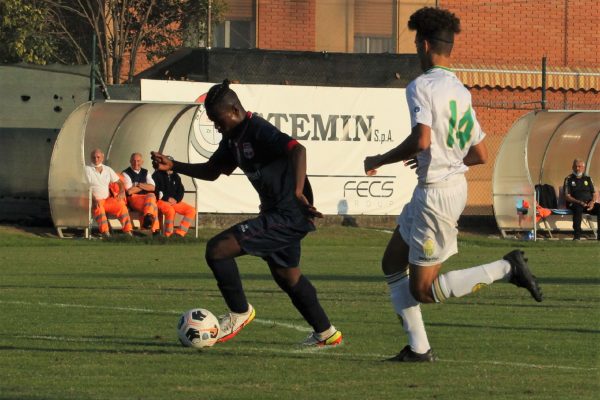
(365, 188)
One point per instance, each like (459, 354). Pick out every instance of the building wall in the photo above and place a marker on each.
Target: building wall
(522, 32)
(286, 25)
(334, 24)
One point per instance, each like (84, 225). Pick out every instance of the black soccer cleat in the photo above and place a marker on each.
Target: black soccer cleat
(407, 355)
(521, 276)
(148, 221)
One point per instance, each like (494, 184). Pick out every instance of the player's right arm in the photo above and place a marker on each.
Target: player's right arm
(208, 171)
(418, 140)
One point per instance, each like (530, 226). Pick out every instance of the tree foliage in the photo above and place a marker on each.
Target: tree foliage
(61, 30)
(25, 32)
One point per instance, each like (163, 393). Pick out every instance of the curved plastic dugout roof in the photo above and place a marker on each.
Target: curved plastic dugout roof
(539, 149)
(118, 129)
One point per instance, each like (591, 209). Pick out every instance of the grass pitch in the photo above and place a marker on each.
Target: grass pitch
(96, 320)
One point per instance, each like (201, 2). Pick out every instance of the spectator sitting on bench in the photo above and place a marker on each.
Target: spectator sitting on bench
(107, 194)
(581, 197)
(139, 187)
(170, 191)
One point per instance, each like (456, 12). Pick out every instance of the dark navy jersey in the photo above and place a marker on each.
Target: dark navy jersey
(137, 177)
(580, 188)
(261, 151)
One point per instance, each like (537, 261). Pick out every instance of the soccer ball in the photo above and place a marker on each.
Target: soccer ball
(198, 328)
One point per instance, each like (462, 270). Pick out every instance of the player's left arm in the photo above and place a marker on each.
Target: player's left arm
(298, 155)
(418, 140)
(594, 199)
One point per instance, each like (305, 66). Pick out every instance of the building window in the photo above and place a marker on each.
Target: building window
(373, 44)
(238, 31)
(374, 26)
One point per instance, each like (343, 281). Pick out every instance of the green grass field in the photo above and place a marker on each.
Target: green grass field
(96, 320)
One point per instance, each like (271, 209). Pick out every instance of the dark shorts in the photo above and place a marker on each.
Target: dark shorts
(274, 237)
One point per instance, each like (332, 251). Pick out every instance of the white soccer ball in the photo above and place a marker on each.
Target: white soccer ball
(198, 328)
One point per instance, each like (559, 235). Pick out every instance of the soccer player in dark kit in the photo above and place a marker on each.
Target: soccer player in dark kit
(275, 164)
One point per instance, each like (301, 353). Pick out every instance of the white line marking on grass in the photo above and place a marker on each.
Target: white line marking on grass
(146, 310)
(319, 351)
(313, 351)
(524, 365)
(282, 324)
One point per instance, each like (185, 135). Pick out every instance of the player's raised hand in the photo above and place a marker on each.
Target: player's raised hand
(371, 164)
(412, 163)
(161, 162)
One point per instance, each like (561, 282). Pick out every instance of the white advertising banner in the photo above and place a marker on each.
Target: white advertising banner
(338, 126)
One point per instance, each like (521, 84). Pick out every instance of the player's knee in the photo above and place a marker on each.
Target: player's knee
(212, 250)
(422, 293)
(390, 268)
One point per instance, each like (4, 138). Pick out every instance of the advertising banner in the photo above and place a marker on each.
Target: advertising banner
(338, 126)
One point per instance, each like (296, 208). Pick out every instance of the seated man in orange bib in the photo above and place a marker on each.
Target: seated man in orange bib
(139, 187)
(170, 190)
(104, 200)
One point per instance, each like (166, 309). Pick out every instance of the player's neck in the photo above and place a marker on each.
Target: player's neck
(440, 61)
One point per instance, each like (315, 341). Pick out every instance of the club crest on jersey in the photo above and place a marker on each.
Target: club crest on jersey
(248, 150)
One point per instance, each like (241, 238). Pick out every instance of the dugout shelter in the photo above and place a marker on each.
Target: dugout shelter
(538, 150)
(118, 129)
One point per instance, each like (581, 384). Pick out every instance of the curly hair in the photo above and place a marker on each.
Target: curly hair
(436, 25)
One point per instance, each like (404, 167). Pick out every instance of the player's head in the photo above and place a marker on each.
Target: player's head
(223, 107)
(435, 29)
(136, 161)
(97, 157)
(578, 167)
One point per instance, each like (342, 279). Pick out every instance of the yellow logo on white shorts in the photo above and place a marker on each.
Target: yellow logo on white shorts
(477, 287)
(428, 247)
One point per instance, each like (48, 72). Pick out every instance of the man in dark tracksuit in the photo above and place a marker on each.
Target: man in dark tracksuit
(581, 197)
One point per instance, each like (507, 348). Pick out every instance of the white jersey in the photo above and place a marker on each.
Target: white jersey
(99, 181)
(439, 100)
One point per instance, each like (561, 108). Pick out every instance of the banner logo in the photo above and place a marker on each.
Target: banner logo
(204, 137)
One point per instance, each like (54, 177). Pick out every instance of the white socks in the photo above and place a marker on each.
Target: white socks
(326, 334)
(451, 284)
(409, 311)
(462, 282)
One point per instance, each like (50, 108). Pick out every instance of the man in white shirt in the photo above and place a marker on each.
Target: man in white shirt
(445, 139)
(139, 187)
(107, 194)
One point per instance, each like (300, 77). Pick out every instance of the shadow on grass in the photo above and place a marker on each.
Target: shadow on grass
(518, 328)
(378, 278)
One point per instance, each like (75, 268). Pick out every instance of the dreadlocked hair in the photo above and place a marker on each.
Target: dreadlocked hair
(216, 94)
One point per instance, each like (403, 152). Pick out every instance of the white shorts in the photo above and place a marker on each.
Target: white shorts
(428, 222)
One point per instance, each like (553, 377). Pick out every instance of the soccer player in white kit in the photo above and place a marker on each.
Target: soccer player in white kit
(445, 139)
